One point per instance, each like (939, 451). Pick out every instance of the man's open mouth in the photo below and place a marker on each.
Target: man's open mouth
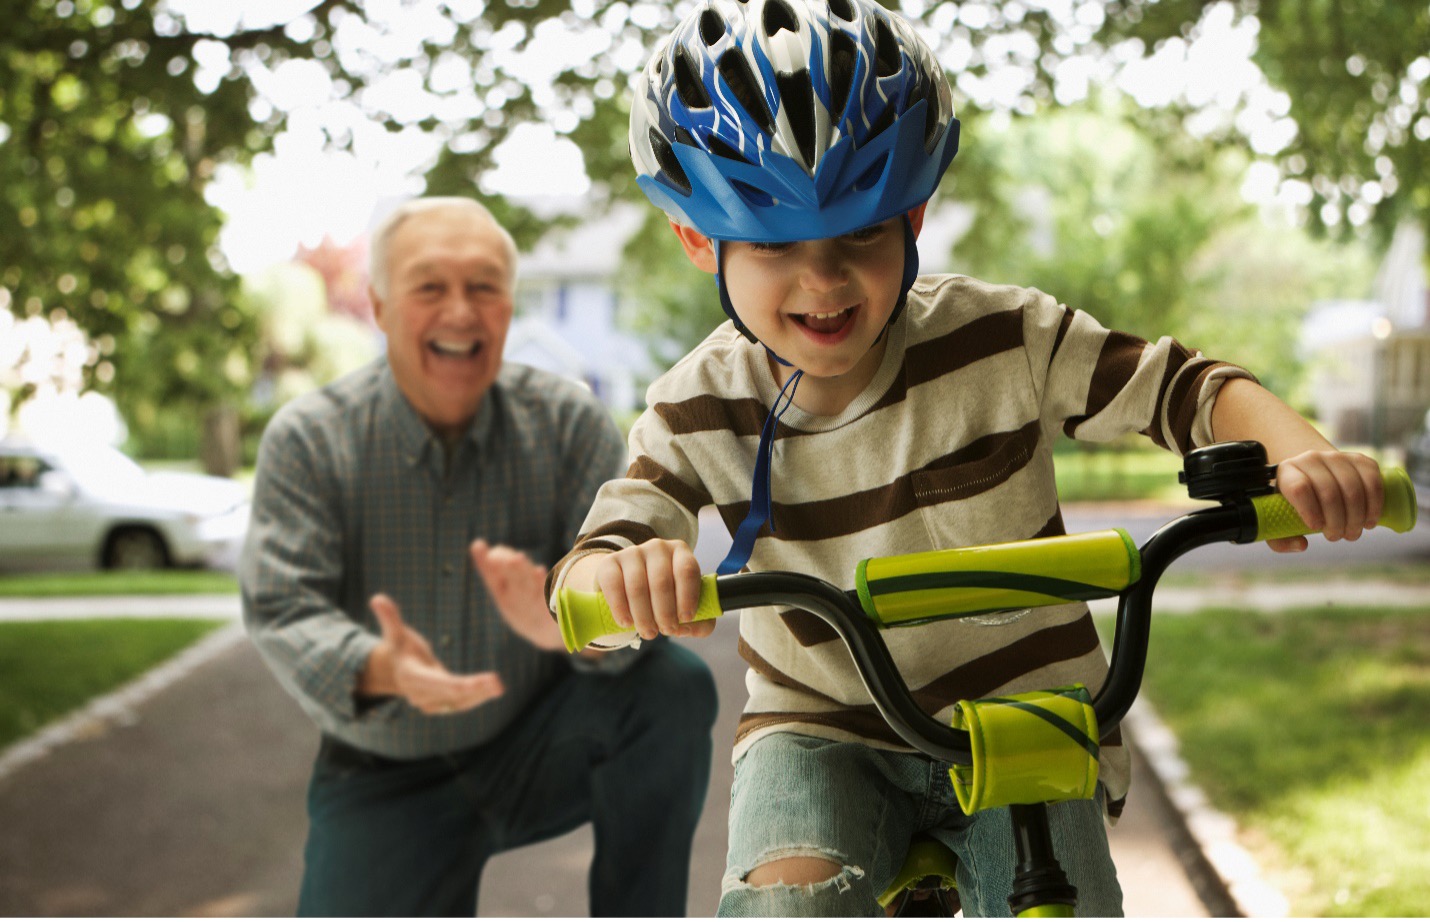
(450, 349)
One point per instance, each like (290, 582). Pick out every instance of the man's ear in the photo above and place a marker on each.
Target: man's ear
(376, 306)
(698, 248)
(916, 217)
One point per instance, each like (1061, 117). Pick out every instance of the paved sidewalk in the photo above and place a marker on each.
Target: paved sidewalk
(183, 793)
(188, 799)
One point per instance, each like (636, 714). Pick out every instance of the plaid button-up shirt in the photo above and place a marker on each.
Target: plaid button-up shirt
(354, 496)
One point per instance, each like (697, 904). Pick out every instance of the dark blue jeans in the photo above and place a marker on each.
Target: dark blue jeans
(629, 753)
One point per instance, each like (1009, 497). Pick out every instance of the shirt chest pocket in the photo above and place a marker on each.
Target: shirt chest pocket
(946, 496)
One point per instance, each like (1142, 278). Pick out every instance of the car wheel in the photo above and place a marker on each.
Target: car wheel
(135, 549)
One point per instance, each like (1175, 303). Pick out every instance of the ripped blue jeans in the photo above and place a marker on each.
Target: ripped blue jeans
(856, 806)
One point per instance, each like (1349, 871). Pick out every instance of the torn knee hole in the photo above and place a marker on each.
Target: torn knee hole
(796, 870)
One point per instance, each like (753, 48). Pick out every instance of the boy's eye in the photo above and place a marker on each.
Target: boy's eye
(865, 234)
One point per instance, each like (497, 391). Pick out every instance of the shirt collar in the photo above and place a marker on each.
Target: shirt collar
(413, 436)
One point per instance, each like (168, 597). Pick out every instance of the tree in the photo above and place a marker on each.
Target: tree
(1356, 77)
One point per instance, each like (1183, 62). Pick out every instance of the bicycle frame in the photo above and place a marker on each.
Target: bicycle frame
(912, 589)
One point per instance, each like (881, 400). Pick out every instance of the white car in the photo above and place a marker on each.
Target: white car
(69, 506)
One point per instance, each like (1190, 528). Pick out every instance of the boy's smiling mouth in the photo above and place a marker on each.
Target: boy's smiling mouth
(827, 327)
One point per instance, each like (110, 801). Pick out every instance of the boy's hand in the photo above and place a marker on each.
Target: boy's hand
(654, 588)
(403, 664)
(1338, 493)
(518, 586)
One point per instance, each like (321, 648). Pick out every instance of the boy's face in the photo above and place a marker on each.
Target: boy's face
(818, 304)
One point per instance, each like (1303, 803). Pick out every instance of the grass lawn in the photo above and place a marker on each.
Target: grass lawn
(118, 582)
(49, 668)
(1312, 729)
(1125, 474)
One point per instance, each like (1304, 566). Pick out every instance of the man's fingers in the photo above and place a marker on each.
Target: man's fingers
(389, 619)
(434, 690)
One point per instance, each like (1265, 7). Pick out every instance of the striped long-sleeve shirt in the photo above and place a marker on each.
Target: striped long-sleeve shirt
(950, 445)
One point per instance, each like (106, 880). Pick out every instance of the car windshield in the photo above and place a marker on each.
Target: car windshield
(98, 467)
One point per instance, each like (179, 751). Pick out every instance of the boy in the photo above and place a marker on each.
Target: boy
(794, 146)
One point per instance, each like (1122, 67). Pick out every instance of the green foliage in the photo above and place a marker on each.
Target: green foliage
(1308, 726)
(1144, 228)
(118, 582)
(1093, 211)
(664, 297)
(49, 668)
(1356, 74)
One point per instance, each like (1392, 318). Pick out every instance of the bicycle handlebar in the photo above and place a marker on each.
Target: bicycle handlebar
(916, 588)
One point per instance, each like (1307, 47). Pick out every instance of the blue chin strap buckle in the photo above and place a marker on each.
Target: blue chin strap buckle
(760, 493)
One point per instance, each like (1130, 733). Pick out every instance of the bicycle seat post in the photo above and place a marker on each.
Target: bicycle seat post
(1038, 879)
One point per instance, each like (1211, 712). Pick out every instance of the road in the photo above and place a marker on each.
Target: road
(192, 803)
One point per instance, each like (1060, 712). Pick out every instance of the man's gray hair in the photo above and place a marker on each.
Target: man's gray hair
(382, 236)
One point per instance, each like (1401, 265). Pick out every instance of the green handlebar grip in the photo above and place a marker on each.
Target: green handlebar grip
(1275, 518)
(585, 616)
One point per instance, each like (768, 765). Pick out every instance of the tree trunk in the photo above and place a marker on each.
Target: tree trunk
(219, 441)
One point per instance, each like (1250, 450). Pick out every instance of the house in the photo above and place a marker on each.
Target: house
(1371, 359)
(566, 306)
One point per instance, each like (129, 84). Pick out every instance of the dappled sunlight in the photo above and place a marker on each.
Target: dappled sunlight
(1308, 726)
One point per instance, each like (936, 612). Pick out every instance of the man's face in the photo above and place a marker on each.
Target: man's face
(446, 314)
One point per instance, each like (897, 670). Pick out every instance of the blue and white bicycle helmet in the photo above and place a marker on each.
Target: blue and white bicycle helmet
(784, 120)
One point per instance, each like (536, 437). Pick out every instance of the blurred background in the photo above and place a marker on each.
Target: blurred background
(186, 190)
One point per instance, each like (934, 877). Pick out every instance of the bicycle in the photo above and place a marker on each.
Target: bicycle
(1027, 750)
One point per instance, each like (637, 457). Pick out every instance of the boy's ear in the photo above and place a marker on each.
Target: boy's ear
(916, 217)
(698, 248)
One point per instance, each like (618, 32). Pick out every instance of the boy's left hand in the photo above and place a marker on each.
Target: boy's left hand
(1338, 493)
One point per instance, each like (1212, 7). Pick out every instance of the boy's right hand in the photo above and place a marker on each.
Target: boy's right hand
(654, 588)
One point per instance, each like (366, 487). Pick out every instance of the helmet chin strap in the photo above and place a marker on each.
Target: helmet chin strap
(761, 497)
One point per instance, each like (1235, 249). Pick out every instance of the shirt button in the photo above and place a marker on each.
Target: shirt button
(448, 569)
(446, 640)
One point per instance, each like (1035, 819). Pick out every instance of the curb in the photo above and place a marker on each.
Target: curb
(117, 709)
(1226, 876)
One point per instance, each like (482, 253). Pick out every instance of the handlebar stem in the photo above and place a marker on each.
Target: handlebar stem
(880, 675)
(1134, 609)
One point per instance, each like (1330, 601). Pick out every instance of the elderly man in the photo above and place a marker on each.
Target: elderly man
(451, 729)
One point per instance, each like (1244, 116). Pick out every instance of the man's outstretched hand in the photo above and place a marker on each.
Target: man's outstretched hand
(518, 586)
(404, 665)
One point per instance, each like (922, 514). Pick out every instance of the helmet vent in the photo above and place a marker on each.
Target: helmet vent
(843, 57)
(843, 9)
(870, 177)
(779, 16)
(712, 27)
(720, 149)
(930, 97)
(757, 198)
(797, 100)
(687, 82)
(665, 156)
(885, 119)
(886, 49)
(746, 90)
